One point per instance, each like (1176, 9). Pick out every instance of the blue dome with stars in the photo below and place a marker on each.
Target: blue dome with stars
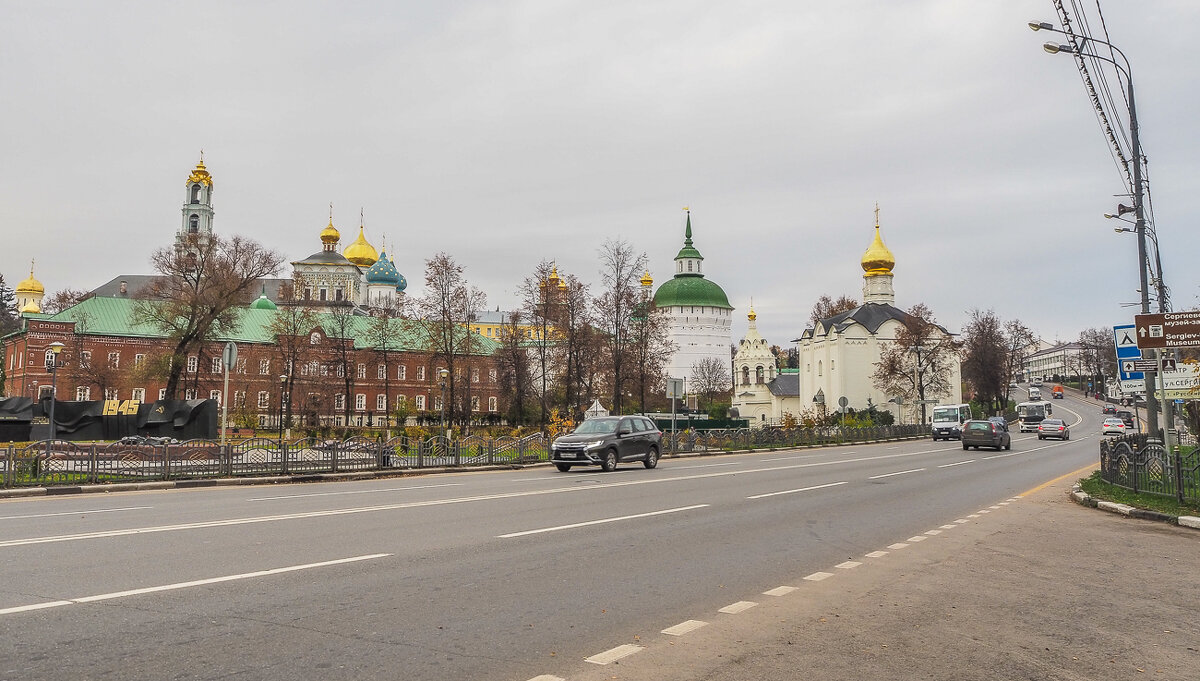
(384, 272)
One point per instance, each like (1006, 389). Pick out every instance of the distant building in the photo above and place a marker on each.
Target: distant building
(762, 394)
(699, 316)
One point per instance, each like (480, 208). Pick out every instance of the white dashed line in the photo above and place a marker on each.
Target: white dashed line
(888, 475)
(735, 608)
(897, 546)
(547, 677)
(818, 576)
(933, 532)
(914, 540)
(707, 465)
(994, 508)
(1004, 503)
(848, 565)
(956, 463)
(983, 510)
(600, 522)
(684, 627)
(793, 491)
(87, 512)
(877, 554)
(614, 654)
(962, 521)
(780, 591)
(949, 527)
(973, 515)
(357, 491)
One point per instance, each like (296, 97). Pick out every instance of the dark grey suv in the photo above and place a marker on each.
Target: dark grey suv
(607, 441)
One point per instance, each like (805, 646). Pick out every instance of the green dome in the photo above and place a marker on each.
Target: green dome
(263, 302)
(690, 290)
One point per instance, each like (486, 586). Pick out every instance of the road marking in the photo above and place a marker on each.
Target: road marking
(888, 475)
(994, 508)
(197, 582)
(793, 491)
(600, 522)
(877, 554)
(614, 654)
(962, 521)
(957, 463)
(683, 628)
(914, 540)
(360, 491)
(818, 576)
(848, 565)
(897, 546)
(735, 608)
(547, 677)
(780, 591)
(949, 527)
(1086, 469)
(973, 515)
(706, 465)
(933, 533)
(1005, 503)
(983, 510)
(94, 510)
(793, 458)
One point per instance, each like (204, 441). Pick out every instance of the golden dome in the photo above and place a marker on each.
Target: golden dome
(360, 252)
(878, 260)
(30, 308)
(330, 235)
(30, 285)
(752, 315)
(646, 279)
(200, 174)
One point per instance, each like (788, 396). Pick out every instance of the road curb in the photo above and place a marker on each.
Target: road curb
(1084, 499)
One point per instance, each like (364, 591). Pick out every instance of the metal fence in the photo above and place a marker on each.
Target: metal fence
(60, 462)
(1143, 465)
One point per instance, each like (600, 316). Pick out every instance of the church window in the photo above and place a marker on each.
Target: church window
(83, 393)
(339, 401)
(341, 370)
(381, 402)
(437, 402)
(420, 373)
(308, 294)
(758, 375)
(217, 365)
(360, 402)
(381, 372)
(110, 393)
(491, 404)
(402, 372)
(239, 399)
(337, 293)
(194, 224)
(679, 267)
(401, 401)
(820, 368)
(474, 403)
(139, 394)
(361, 371)
(195, 193)
(215, 395)
(745, 375)
(474, 375)
(264, 399)
(189, 394)
(689, 266)
(193, 363)
(420, 402)
(85, 360)
(492, 378)
(324, 294)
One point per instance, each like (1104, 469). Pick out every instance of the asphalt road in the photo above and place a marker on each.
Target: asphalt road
(498, 575)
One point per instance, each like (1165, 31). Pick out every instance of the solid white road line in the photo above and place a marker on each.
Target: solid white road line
(793, 491)
(87, 512)
(358, 491)
(888, 475)
(956, 463)
(683, 628)
(735, 608)
(818, 576)
(780, 591)
(614, 654)
(600, 522)
(198, 582)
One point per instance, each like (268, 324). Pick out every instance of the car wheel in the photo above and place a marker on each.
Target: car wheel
(608, 463)
(936, 438)
(1067, 436)
(651, 458)
(966, 446)
(1009, 445)
(564, 467)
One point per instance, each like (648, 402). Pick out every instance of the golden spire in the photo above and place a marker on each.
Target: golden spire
(646, 279)
(752, 315)
(330, 236)
(30, 285)
(878, 260)
(200, 174)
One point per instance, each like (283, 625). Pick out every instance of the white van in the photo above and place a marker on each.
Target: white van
(1035, 394)
(948, 420)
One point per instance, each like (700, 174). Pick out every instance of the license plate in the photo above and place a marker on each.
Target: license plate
(566, 455)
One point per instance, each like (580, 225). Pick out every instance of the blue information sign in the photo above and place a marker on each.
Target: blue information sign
(1125, 337)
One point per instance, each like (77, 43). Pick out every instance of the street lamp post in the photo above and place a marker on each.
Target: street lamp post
(282, 387)
(52, 365)
(442, 375)
(1138, 189)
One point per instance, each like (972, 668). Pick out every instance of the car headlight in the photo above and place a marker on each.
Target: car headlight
(593, 444)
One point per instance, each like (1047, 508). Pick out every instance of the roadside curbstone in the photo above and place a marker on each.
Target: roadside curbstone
(1114, 507)
(1189, 521)
(1084, 499)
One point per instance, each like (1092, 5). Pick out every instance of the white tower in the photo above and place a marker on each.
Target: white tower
(753, 371)
(196, 226)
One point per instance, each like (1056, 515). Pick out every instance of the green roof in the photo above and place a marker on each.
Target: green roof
(690, 290)
(114, 317)
(688, 251)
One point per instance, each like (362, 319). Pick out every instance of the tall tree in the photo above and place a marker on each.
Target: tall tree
(985, 359)
(580, 348)
(541, 300)
(10, 319)
(512, 362)
(339, 324)
(652, 348)
(293, 349)
(620, 270)
(826, 307)
(917, 363)
(199, 293)
(1018, 340)
(1098, 354)
(66, 298)
(710, 377)
(444, 311)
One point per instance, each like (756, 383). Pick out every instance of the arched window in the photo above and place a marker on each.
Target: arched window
(758, 375)
(194, 224)
(196, 193)
(820, 368)
(745, 375)
(689, 266)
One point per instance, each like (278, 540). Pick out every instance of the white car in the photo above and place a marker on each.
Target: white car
(1113, 426)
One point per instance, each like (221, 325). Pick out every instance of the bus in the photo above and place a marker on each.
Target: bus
(1030, 414)
(948, 419)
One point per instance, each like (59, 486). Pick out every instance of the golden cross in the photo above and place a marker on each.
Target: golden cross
(876, 213)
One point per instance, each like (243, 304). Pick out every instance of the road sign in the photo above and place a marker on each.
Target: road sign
(229, 355)
(1168, 330)
(1135, 365)
(675, 388)
(1125, 339)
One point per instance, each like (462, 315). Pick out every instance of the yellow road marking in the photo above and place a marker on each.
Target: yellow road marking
(1086, 469)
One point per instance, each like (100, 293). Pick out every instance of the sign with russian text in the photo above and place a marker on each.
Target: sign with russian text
(1168, 329)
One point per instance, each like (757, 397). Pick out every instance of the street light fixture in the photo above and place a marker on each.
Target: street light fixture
(52, 365)
(282, 386)
(442, 375)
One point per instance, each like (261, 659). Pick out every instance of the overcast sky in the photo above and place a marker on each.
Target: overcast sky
(505, 133)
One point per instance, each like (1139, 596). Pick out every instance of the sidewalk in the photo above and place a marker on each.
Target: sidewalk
(1041, 589)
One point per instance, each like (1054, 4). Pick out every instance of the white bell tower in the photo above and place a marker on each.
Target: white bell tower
(197, 208)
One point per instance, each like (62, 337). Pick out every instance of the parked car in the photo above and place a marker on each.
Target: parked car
(1056, 428)
(1113, 426)
(607, 441)
(985, 433)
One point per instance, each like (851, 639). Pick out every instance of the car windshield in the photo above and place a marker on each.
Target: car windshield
(945, 414)
(597, 426)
